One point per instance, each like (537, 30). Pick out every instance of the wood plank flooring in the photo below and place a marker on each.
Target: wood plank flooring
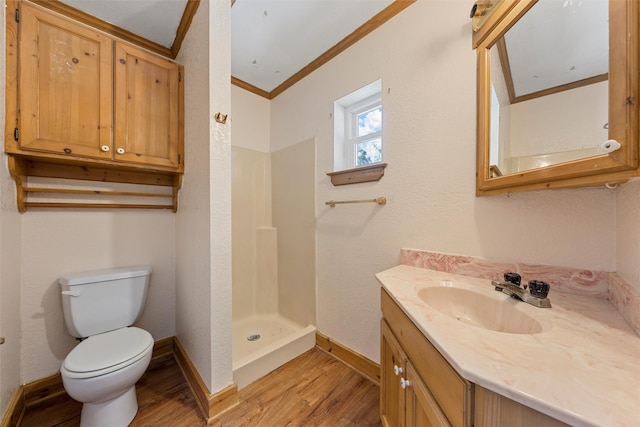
(315, 389)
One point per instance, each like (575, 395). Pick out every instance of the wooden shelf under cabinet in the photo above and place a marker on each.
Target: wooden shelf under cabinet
(158, 186)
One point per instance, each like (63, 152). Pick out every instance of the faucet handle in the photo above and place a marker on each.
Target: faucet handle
(514, 278)
(538, 288)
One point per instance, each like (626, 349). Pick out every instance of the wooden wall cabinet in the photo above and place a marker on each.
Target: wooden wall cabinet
(76, 95)
(148, 93)
(417, 385)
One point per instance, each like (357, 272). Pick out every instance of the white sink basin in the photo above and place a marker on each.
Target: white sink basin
(477, 309)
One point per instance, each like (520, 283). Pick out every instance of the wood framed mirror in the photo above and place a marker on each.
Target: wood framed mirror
(557, 91)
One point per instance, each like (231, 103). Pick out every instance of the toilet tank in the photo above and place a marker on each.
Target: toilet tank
(103, 300)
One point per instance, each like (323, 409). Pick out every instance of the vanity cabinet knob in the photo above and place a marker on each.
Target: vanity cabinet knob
(397, 370)
(120, 150)
(404, 383)
(105, 148)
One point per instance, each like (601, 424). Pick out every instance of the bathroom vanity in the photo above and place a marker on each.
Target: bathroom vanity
(454, 352)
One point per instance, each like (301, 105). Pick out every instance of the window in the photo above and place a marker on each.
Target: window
(358, 128)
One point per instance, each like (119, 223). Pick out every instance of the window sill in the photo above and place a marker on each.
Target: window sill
(362, 174)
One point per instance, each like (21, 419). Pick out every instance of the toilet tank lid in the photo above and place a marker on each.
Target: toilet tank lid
(104, 275)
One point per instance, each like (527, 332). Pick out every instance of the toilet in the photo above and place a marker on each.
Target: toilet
(101, 371)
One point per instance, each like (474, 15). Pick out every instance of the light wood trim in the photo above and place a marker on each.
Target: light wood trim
(453, 393)
(561, 88)
(99, 172)
(492, 409)
(251, 88)
(43, 389)
(162, 347)
(386, 14)
(189, 12)
(366, 367)
(100, 192)
(18, 172)
(15, 410)
(47, 388)
(11, 77)
(211, 405)
(492, 21)
(177, 184)
(62, 205)
(610, 179)
(613, 168)
(97, 23)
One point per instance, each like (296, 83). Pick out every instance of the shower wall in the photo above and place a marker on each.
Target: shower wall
(293, 185)
(254, 240)
(273, 233)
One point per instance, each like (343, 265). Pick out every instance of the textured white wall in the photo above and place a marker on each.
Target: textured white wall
(628, 232)
(10, 249)
(427, 66)
(63, 241)
(251, 116)
(568, 120)
(220, 200)
(203, 314)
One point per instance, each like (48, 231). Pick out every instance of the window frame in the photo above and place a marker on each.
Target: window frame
(352, 140)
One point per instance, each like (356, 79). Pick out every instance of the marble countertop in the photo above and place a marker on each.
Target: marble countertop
(583, 368)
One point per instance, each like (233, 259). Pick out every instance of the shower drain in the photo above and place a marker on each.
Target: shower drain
(253, 337)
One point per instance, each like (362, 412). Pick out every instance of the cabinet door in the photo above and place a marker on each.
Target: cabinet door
(392, 360)
(65, 97)
(421, 408)
(148, 108)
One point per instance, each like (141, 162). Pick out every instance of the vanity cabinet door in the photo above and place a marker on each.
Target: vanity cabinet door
(421, 408)
(65, 98)
(393, 363)
(148, 117)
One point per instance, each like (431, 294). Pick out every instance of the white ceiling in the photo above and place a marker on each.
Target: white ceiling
(271, 40)
(156, 20)
(556, 42)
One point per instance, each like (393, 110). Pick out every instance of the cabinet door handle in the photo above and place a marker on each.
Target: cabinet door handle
(404, 383)
(397, 370)
(120, 150)
(105, 148)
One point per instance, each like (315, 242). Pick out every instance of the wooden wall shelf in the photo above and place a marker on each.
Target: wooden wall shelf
(70, 185)
(362, 174)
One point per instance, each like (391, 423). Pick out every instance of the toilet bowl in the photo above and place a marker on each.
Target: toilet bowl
(101, 372)
(100, 308)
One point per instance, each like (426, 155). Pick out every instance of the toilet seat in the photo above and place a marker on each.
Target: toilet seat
(107, 352)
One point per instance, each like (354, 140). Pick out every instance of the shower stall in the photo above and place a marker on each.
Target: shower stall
(273, 240)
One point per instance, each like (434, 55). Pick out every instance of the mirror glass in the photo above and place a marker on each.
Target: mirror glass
(549, 87)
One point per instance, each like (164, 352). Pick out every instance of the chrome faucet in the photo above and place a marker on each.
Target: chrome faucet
(537, 295)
